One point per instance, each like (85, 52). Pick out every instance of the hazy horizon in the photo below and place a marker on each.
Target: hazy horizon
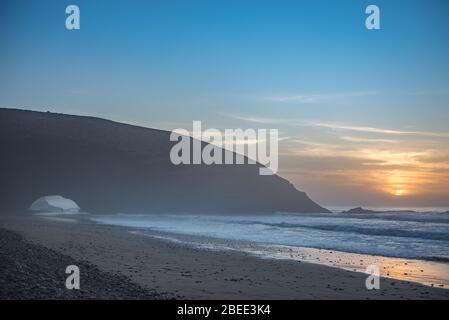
(363, 115)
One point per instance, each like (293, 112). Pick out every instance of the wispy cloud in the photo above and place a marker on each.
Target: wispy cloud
(316, 98)
(225, 137)
(368, 140)
(373, 157)
(336, 126)
(259, 120)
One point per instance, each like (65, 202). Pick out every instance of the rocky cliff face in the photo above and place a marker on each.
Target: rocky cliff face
(112, 167)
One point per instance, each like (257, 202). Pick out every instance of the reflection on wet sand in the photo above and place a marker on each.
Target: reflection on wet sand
(425, 272)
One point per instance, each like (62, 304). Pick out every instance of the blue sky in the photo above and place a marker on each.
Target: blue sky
(309, 68)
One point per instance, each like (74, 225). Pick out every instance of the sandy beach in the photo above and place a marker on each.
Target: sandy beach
(170, 270)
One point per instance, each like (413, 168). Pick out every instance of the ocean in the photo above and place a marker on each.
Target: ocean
(407, 246)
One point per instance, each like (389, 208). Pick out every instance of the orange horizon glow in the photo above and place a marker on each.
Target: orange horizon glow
(404, 168)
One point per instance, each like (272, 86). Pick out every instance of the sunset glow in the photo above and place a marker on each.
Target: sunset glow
(399, 192)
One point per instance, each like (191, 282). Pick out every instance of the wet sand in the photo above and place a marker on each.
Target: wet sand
(430, 273)
(192, 273)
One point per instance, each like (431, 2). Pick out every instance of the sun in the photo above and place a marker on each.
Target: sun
(399, 183)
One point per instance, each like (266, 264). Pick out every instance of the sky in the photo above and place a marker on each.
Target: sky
(363, 115)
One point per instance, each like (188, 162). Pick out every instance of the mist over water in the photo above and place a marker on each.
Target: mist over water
(423, 236)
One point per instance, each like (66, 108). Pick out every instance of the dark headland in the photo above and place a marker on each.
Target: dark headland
(110, 167)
